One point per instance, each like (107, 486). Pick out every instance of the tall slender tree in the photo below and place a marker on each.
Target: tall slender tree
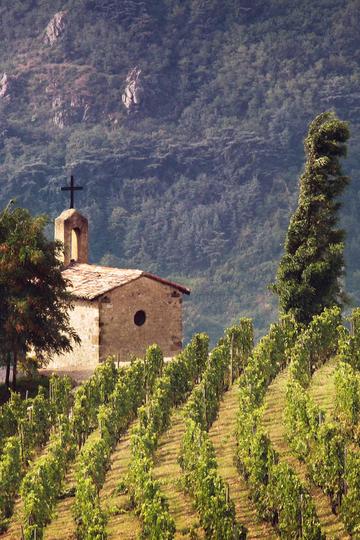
(310, 271)
(34, 302)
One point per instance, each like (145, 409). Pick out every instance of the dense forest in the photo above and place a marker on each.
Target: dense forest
(196, 181)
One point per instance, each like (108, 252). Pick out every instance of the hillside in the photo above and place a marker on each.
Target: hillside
(195, 181)
(144, 459)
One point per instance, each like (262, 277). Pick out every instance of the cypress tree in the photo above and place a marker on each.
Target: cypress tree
(309, 274)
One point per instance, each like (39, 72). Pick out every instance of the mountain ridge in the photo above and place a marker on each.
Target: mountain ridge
(197, 181)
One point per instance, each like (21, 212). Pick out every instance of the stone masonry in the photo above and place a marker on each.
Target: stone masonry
(117, 312)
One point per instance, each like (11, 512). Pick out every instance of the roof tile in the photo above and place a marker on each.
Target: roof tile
(88, 281)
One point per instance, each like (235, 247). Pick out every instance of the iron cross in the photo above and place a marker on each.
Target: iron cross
(71, 188)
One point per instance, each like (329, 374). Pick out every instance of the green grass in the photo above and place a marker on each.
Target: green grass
(322, 390)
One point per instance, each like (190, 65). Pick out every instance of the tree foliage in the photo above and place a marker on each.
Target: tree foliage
(34, 302)
(199, 183)
(310, 272)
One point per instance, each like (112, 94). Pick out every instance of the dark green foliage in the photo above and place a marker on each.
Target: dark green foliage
(34, 303)
(275, 489)
(197, 457)
(10, 475)
(179, 377)
(308, 278)
(41, 485)
(199, 183)
(350, 509)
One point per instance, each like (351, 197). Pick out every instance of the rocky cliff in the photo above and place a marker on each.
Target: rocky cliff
(184, 122)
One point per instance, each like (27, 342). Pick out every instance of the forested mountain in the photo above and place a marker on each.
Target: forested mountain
(184, 121)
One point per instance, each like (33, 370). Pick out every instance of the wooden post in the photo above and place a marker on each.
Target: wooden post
(352, 330)
(227, 493)
(231, 358)
(204, 397)
(301, 516)
(21, 437)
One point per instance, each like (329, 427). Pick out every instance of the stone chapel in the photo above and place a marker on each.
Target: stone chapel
(117, 311)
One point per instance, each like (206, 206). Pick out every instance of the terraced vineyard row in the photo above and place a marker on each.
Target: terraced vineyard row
(200, 447)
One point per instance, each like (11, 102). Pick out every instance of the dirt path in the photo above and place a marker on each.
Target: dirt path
(273, 421)
(222, 434)
(168, 472)
(123, 523)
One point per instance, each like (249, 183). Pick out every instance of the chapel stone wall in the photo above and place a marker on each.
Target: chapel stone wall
(84, 318)
(122, 337)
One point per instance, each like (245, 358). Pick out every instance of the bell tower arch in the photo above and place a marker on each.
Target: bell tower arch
(72, 229)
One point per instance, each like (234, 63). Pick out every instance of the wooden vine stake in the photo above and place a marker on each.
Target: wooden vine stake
(231, 358)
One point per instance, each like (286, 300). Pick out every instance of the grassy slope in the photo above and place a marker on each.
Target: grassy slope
(168, 472)
(322, 391)
(123, 522)
(222, 434)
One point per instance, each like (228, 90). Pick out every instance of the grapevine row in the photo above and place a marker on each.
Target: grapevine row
(274, 487)
(42, 484)
(179, 377)
(25, 426)
(320, 443)
(114, 418)
(197, 458)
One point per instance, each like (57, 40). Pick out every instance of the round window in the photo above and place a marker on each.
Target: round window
(139, 318)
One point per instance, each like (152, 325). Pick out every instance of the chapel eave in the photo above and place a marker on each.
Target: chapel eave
(89, 282)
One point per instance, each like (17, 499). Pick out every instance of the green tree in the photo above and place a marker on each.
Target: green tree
(34, 302)
(309, 275)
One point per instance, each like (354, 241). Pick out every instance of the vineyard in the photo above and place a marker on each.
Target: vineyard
(238, 442)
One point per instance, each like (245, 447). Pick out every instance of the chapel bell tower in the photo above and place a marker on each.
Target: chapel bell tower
(72, 229)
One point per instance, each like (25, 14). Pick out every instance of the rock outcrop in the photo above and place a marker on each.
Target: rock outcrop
(5, 84)
(70, 109)
(55, 28)
(133, 92)
(60, 117)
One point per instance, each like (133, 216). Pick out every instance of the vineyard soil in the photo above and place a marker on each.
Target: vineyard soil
(123, 523)
(222, 435)
(168, 472)
(273, 421)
